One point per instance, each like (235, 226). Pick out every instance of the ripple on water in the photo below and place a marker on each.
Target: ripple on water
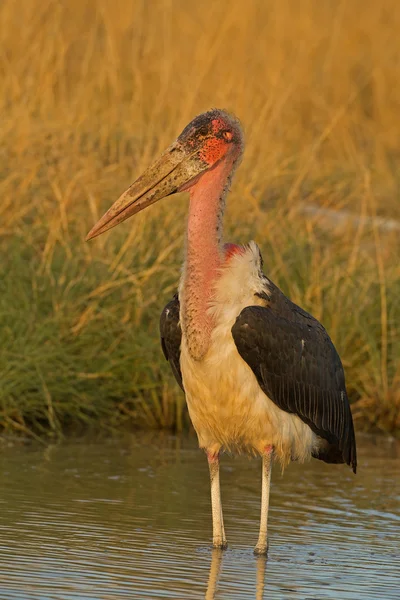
(132, 520)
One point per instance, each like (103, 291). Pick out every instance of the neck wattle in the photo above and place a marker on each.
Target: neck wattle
(204, 257)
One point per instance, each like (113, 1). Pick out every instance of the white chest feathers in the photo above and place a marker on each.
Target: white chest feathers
(227, 407)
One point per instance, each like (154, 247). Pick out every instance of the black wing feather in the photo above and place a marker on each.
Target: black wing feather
(171, 337)
(298, 368)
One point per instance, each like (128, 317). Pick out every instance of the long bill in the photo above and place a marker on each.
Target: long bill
(169, 174)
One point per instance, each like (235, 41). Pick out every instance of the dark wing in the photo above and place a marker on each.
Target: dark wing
(171, 336)
(298, 368)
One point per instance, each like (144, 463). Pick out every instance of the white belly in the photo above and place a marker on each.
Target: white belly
(227, 407)
(229, 410)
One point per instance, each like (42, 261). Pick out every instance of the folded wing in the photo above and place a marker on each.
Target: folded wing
(298, 368)
(171, 336)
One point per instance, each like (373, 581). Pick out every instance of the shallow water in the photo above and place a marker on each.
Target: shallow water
(131, 519)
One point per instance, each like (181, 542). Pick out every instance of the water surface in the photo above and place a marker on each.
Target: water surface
(130, 518)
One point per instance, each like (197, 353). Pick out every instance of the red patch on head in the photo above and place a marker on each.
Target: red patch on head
(217, 125)
(213, 150)
(220, 125)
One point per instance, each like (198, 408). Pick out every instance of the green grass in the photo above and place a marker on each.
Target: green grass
(91, 94)
(78, 354)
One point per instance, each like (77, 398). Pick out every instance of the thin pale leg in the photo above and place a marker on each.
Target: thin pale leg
(223, 528)
(262, 544)
(219, 539)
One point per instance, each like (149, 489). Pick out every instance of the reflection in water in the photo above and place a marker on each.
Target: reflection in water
(215, 570)
(131, 519)
(261, 564)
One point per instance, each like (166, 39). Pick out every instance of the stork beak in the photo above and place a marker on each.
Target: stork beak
(175, 168)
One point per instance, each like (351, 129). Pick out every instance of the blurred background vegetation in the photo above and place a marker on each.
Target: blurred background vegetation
(91, 92)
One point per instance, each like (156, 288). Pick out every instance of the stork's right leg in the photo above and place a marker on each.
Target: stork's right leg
(262, 544)
(219, 539)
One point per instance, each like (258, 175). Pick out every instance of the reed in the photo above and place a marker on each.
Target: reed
(91, 92)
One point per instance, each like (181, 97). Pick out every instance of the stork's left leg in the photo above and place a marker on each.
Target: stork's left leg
(219, 539)
(262, 544)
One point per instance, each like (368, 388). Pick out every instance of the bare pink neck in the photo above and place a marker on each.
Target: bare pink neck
(204, 256)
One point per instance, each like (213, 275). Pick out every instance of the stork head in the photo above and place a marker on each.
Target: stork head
(210, 138)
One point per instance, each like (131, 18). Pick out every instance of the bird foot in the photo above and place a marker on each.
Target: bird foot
(261, 550)
(220, 544)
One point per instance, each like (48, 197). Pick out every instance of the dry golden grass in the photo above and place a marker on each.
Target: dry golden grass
(91, 91)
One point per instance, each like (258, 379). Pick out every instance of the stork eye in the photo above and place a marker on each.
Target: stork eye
(227, 135)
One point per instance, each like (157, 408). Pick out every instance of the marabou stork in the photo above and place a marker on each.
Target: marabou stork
(260, 374)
